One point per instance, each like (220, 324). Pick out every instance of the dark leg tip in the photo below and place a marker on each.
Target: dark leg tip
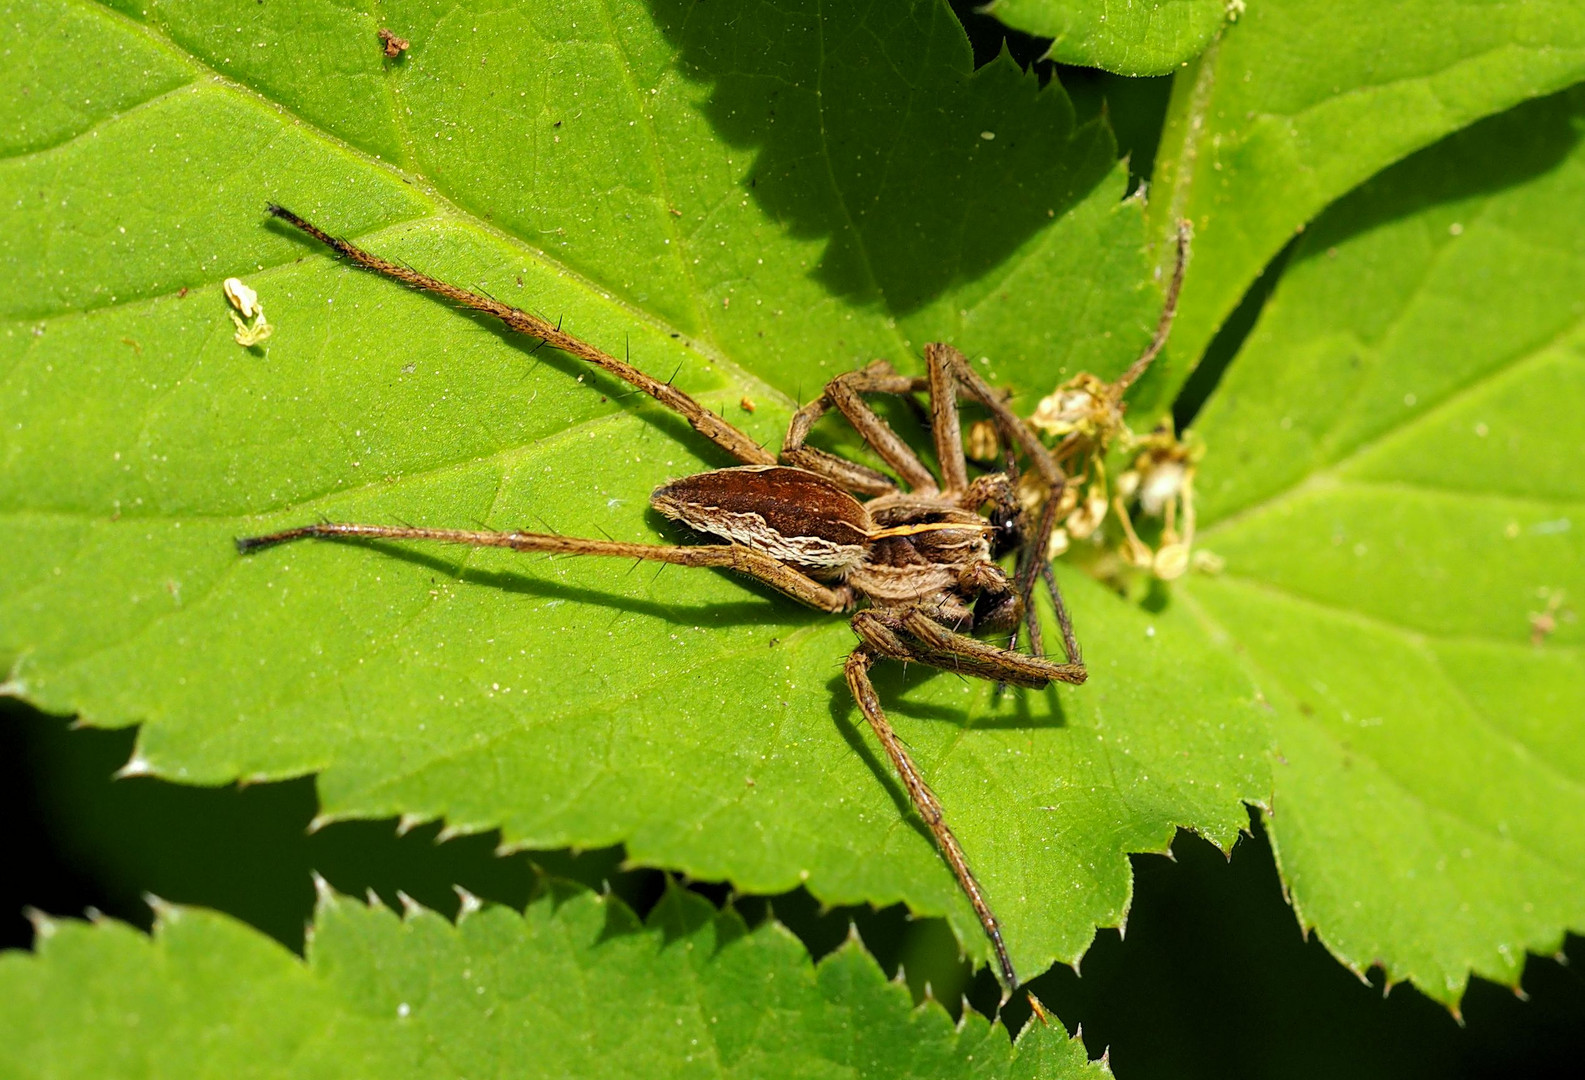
(276, 210)
(246, 545)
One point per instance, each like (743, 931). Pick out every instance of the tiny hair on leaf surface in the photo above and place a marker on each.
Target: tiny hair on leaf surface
(1397, 494)
(749, 203)
(574, 986)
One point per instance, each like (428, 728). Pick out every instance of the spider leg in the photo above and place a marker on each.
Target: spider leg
(744, 560)
(909, 633)
(1033, 559)
(945, 427)
(845, 394)
(1015, 431)
(926, 803)
(1169, 311)
(850, 475)
(1070, 644)
(707, 423)
(1008, 424)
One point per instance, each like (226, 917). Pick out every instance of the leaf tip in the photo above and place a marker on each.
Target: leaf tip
(165, 912)
(44, 926)
(410, 908)
(469, 902)
(323, 894)
(137, 765)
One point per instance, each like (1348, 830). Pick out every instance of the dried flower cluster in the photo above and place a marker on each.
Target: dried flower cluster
(1084, 418)
(1082, 421)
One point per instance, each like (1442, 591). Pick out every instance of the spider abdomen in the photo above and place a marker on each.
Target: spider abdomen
(790, 514)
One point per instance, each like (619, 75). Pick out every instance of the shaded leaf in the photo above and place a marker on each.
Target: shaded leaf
(1394, 481)
(1136, 37)
(754, 202)
(573, 987)
(1300, 100)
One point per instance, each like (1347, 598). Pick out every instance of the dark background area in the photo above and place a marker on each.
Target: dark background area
(1213, 977)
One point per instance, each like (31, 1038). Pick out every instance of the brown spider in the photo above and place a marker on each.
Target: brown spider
(921, 557)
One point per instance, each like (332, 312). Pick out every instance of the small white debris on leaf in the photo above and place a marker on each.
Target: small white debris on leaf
(252, 327)
(242, 297)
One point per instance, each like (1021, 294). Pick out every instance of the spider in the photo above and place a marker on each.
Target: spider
(913, 559)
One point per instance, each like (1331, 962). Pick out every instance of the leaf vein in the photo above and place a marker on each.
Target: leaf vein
(1331, 475)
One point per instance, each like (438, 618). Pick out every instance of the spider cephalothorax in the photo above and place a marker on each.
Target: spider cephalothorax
(915, 561)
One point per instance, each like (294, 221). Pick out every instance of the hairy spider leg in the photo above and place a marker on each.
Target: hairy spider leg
(910, 634)
(707, 423)
(1064, 620)
(843, 393)
(745, 560)
(1014, 431)
(946, 428)
(913, 634)
(1169, 312)
(925, 802)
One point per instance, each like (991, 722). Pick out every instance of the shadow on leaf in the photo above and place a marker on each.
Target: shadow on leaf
(873, 129)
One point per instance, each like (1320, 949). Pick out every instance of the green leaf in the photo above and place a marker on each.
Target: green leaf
(1393, 479)
(755, 201)
(575, 986)
(1136, 37)
(1301, 100)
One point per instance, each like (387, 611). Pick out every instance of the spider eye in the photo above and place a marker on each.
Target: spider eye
(1008, 533)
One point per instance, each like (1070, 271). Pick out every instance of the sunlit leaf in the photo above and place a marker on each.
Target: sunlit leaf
(1395, 484)
(749, 201)
(1301, 100)
(575, 986)
(1134, 37)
